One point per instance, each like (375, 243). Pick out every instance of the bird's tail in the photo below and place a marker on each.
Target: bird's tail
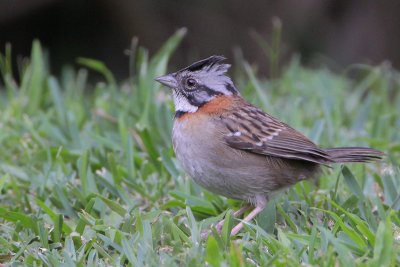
(354, 154)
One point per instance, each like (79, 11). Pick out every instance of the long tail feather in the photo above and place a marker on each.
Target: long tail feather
(354, 154)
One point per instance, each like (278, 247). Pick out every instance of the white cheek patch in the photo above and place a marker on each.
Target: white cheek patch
(182, 104)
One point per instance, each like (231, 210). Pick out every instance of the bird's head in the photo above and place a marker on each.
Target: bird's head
(199, 83)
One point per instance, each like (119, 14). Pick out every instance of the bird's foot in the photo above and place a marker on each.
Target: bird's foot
(220, 224)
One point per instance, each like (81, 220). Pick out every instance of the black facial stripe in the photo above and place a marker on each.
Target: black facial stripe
(179, 113)
(231, 88)
(193, 100)
(209, 91)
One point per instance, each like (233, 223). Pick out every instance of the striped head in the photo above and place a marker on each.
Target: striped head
(199, 83)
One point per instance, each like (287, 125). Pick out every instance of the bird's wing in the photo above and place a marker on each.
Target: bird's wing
(250, 129)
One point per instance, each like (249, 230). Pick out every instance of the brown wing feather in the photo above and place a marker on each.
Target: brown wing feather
(253, 130)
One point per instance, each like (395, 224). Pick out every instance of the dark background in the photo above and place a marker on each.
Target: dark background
(343, 32)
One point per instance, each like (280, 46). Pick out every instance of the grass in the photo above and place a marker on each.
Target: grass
(88, 176)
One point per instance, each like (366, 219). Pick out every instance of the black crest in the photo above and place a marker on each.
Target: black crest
(208, 62)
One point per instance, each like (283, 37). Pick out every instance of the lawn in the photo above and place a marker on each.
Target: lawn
(88, 176)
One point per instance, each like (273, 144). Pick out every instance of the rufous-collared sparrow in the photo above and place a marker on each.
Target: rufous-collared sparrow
(233, 148)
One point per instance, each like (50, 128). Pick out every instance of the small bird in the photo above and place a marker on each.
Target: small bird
(236, 150)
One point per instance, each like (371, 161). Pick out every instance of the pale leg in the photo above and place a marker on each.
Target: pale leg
(259, 207)
(219, 225)
(235, 214)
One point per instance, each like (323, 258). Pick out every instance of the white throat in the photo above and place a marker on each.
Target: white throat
(182, 104)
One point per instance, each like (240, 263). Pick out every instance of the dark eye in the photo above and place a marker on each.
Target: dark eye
(191, 83)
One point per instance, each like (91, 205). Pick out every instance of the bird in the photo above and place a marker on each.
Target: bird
(234, 149)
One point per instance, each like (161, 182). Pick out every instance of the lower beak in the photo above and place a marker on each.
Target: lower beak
(167, 80)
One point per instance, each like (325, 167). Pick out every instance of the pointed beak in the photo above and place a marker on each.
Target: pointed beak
(167, 80)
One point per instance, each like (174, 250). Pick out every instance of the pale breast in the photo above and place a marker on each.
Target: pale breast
(200, 145)
(200, 148)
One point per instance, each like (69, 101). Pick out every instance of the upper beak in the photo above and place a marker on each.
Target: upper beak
(167, 80)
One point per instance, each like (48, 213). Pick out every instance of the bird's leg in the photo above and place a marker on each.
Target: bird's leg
(237, 213)
(260, 205)
(220, 224)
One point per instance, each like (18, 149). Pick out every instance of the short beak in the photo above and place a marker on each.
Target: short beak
(167, 80)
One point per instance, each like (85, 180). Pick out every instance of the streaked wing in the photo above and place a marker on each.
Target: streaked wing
(250, 129)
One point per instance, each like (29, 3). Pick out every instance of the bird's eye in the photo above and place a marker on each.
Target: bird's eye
(191, 83)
